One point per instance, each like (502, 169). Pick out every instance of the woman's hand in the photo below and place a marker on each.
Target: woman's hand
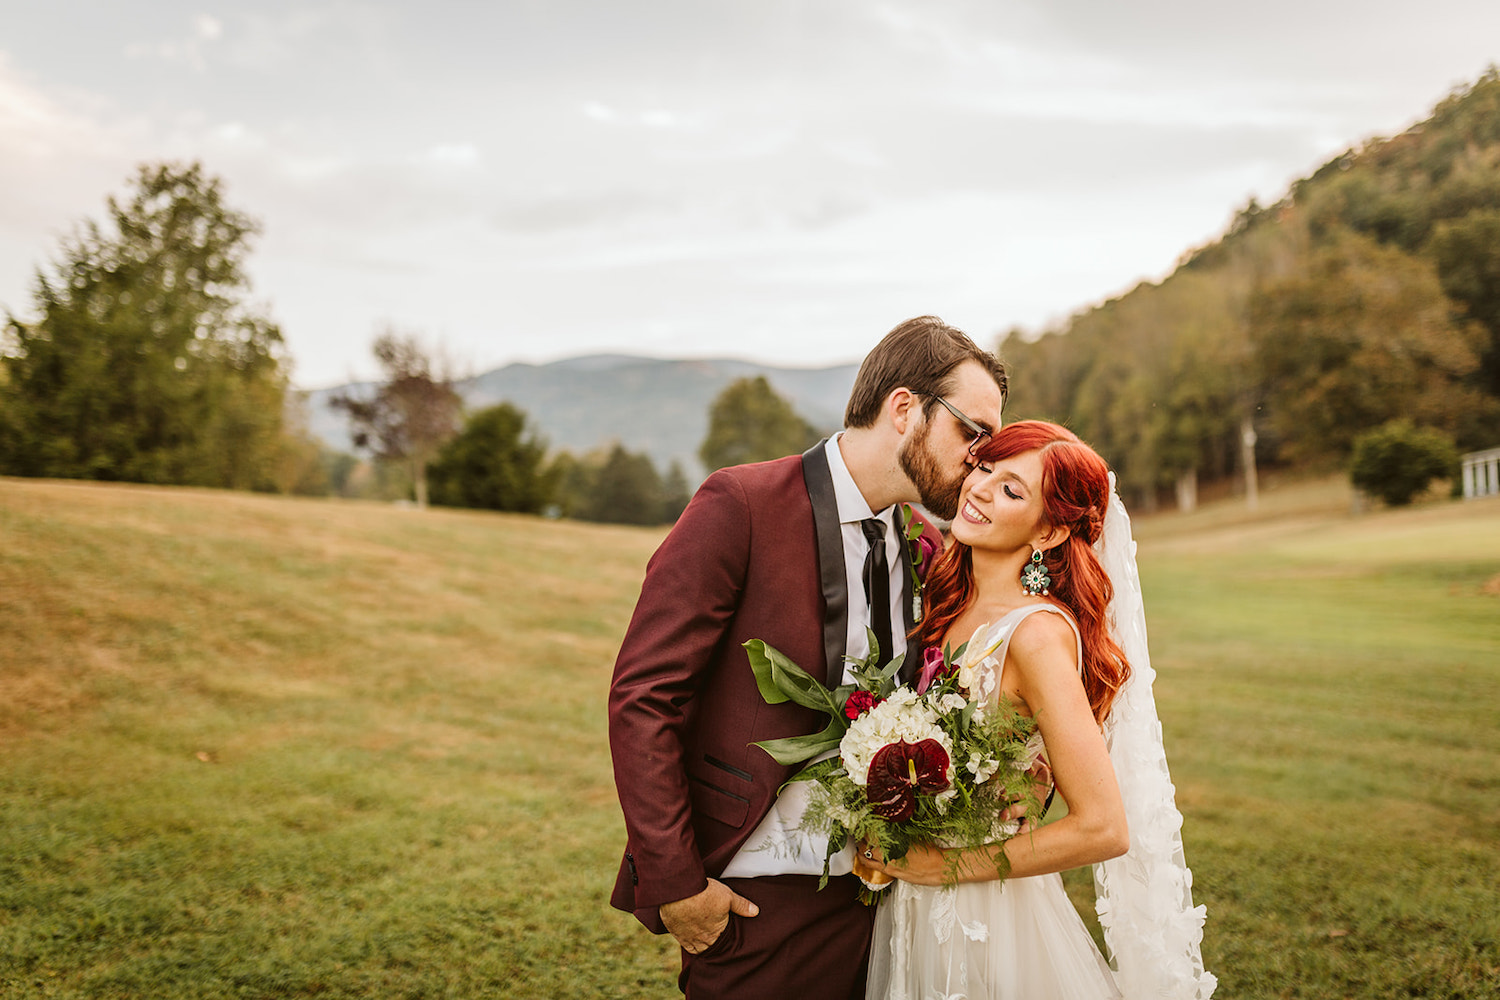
(928, 865)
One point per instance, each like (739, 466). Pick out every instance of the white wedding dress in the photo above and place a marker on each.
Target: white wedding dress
(1020, 939)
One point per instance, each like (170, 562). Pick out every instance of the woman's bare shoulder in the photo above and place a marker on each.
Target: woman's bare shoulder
(1043, 638)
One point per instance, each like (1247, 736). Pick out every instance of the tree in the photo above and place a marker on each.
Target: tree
(675, 493)
(573, 480)
(1467, 253)
(1363, 335)
(616, 487)
(493, 464)
(627, 490)
(1399, 460)
(303, 463)
(412, 413)
(749, 422)
(144, 363)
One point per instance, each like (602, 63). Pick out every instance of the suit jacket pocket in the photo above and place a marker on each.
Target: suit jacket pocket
(712, 799)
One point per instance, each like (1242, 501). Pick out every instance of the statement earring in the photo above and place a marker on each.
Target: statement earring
(1034, 578)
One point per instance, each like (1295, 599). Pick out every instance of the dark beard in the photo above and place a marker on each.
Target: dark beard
(938, 495)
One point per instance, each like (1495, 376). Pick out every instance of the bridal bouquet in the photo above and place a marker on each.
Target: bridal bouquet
(900, 765)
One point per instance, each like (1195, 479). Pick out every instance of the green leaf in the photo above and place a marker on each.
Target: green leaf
(796, 749)
(841, 696)
(888, 673)
(780, 680)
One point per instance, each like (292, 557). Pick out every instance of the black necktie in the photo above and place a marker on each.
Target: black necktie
(878, 586)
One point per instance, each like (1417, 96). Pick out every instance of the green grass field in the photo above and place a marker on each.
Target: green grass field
(259, 747)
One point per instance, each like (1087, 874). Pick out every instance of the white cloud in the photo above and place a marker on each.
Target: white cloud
(661, 118)
(456, 154)
(599, 112)
(237, 134)
(51, 146)
(207, 27)
(188, 50)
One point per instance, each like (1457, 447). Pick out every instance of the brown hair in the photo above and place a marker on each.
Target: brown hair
(919, 355)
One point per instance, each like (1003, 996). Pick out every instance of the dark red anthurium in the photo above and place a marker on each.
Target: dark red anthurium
(900, 771)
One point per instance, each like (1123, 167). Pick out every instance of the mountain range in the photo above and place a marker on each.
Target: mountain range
(649, 405)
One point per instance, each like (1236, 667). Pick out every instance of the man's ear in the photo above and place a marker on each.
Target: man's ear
(902, 407)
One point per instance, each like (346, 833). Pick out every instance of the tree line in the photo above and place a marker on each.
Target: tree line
(1368, 296)
(493, 460)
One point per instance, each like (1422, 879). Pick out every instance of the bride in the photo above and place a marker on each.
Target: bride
(1041, 583)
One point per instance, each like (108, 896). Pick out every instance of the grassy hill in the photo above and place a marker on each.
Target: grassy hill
(259, 747)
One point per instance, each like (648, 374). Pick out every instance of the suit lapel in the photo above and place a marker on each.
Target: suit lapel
(830, 560)
(909, 665)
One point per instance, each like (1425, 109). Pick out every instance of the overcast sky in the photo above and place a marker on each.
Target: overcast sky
(769, 179)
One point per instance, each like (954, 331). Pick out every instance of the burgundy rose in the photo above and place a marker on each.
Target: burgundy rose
(932, 668)
(859, 703)
(900, 771)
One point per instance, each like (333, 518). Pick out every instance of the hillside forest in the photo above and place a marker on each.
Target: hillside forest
(1368, 295)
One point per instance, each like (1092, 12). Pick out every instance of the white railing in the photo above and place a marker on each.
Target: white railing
(1482, 474)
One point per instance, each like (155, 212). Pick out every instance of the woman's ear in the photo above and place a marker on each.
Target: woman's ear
(1054, 536)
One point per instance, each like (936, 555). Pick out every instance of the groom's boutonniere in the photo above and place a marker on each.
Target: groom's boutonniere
(922, 551)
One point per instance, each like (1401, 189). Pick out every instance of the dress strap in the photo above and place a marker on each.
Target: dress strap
(986, 651)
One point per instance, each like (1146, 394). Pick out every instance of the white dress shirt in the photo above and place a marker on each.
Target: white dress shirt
(778, 846)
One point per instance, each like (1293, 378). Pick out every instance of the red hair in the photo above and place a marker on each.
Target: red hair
(1075, 495)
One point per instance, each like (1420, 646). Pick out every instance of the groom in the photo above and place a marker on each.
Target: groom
(803, 552)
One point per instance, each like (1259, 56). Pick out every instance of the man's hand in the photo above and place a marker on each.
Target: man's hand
(697, 921)
(1040, 774)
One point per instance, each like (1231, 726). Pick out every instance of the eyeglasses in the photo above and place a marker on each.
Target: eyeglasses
(980, 433)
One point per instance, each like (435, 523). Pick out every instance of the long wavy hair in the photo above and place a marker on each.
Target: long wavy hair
(1075, 494)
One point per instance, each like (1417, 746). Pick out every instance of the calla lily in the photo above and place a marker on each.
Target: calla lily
(927, 547)
(932, 666)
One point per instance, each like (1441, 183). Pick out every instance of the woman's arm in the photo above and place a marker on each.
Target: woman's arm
(1042, 676)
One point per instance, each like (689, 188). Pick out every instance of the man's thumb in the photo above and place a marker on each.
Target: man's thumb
(743, 907)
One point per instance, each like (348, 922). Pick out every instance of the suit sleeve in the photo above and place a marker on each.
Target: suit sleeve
(688, 601)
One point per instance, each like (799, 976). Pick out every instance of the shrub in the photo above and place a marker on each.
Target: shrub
(1398, 460)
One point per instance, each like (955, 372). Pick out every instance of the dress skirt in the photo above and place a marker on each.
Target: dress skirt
(1020, 939)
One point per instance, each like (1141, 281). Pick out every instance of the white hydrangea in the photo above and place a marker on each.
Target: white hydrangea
(903, 716)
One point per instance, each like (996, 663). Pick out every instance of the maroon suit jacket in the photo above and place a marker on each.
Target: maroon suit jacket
(757, 554)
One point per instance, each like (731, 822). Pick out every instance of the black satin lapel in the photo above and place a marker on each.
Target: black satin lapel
(909, 665)
(830, 560)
